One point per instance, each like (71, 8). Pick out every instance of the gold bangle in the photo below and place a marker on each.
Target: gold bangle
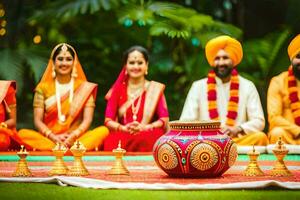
(47, 133)
(44, 131)
(118, 127)
(80, 130)
(3, 125)
(151, 127)
(77, 133)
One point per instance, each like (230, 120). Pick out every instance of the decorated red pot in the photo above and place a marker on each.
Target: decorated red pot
(195, 149)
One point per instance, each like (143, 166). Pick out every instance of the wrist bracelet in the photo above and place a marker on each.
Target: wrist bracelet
(163, 122)
(3, 125)
(151, 127)
(47, 133)
(75, 133)
(79, 131)
(118, 128)
(107, 121)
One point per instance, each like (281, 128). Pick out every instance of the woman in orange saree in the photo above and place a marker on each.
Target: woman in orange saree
(64, 105)
(136, 111)
(7, 114)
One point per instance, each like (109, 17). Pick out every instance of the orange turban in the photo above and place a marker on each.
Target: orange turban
(294, 47)
(228, 44)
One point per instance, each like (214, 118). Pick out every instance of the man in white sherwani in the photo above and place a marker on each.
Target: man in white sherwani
(226, 96)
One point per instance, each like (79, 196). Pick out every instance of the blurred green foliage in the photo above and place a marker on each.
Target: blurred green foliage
(175, 33)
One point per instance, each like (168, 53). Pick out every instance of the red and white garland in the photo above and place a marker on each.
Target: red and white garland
(293, 95)
(232, 108)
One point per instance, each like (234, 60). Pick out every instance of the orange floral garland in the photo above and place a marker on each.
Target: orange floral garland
(293, 95)
(233, 100)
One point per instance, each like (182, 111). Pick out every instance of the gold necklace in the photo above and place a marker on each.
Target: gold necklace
(136, 108)
(137, 86)
(138, 90)
(60, 115)
(137, 94)
(134, 90)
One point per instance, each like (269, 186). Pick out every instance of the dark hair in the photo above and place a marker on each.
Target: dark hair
(58, 50)
(140, 49)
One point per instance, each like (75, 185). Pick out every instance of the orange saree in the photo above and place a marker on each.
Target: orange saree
(71, 107)
(84, 95)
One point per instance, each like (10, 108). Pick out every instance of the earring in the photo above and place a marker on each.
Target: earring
(146, 72)
(74, 73)
(53, 72)
(126, 72)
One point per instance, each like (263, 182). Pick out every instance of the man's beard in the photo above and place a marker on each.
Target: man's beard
(296, 71)
(224, 74)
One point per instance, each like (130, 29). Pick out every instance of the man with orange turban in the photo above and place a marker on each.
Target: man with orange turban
(227, 97)
(283, 101)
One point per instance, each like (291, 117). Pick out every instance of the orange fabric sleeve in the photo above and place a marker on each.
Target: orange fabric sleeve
(275, 107)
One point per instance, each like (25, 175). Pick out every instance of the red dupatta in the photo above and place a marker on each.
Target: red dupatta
(4, 89)
(119, 107)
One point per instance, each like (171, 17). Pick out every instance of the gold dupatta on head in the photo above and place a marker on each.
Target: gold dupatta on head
(82, 91)
(47, 76)
(153, 94)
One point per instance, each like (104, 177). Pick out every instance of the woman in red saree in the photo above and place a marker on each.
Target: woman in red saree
(7, 113)
(64, 105)
(136, 111)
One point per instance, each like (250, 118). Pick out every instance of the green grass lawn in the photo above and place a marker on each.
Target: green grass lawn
(42, 191)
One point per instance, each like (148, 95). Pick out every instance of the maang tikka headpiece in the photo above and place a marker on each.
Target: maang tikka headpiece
(64, 48)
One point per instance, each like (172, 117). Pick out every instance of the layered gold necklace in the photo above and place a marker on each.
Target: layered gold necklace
(58, 88)
(138, 90)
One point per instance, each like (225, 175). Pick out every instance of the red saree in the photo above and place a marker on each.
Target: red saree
(152, 107)
(7, 99)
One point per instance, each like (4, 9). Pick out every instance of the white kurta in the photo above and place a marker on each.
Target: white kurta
(250, 114)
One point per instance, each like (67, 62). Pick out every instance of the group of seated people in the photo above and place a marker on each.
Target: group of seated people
(136, 112)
